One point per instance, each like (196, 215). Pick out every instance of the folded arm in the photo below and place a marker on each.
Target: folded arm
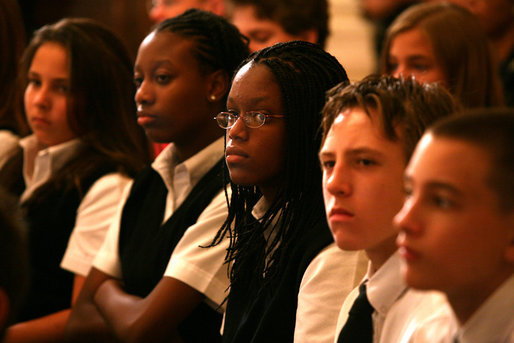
(154, 318)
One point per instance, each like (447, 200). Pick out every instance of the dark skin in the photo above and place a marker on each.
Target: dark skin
(170, 84)
(106, 309)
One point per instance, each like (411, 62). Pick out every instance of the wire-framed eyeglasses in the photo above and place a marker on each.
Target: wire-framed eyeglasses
(251, 119)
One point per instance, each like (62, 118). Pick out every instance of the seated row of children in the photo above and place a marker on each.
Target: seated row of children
(236, 232)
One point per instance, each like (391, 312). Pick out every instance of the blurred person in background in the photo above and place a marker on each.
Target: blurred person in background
(158, 10)
(266, 22)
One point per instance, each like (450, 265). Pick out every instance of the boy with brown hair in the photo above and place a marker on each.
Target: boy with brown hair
(370, 130)
(457, 226)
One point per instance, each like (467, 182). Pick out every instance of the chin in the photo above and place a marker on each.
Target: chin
(421, 281)
(239, 178)
(344, 242)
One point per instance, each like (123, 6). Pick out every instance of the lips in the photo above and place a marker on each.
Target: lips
(340, 214)
(405, 251)
(39, 121)
(234, 155)
(145, 118)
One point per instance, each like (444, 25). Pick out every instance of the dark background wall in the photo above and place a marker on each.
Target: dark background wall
(127, 18)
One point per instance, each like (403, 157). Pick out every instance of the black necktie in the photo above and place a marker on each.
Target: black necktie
(359, 326)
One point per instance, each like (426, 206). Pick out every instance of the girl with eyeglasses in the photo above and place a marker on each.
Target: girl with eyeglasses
(153, 280)
(276, 221)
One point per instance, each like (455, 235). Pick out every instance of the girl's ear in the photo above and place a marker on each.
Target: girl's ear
(218, 84)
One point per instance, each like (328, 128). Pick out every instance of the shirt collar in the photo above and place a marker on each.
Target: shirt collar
(166, 163)
(486, 325)
(40, 162)
(386, 285)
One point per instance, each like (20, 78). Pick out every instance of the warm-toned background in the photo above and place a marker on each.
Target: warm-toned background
(350, 40)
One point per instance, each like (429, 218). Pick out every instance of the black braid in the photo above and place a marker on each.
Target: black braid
(219, 44)
(304, 72)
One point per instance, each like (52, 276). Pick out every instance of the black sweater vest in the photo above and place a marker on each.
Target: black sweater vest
(258, 312)
(50, 219)
(146, 244)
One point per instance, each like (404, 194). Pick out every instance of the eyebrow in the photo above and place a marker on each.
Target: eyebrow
(410, 58)
(58, 79)
(415, 58)
(325, 154)
(363, 150)
(156, 64)
(437, 185)
(251, 102)
(350, 153)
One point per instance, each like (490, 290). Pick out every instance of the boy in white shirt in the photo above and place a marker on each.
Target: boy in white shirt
(370, 131)
(457, 226)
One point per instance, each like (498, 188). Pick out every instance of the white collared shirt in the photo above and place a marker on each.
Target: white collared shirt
(398, 310)
(40, 162)
(9, 143)
(201, 268)
(492, 322)
(328, 279)
(96, 209)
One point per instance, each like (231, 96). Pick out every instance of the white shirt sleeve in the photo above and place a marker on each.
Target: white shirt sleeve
(204, 269)
(94, 216)
(9, 144)
(107, 259)
(329, 278)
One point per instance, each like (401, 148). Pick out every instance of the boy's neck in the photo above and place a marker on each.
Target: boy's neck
(379, 254)
(465, 302)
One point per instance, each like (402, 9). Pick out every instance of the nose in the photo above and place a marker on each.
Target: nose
(400, 71)
(41, 97)
(238, 130)
(144, 94)
(338, 182)
(407, 220)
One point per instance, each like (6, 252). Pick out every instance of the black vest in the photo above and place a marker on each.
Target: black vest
(146, 244)
(258, 312)
(50, 220)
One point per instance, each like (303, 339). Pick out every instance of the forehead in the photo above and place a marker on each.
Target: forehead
(353, 127)
(411, 40)
(449, 160)
(255, 83)
(246, 19)
(50, 56)
(166, 46)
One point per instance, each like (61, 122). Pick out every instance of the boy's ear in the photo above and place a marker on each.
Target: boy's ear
(217, 86)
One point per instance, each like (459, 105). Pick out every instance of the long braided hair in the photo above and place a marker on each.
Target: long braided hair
(304, 71)
(219, 44)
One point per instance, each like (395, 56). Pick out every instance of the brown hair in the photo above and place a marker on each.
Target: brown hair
(12, 43)
(461, 49)
(294, 16)
(102, 111)
(398, 103)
